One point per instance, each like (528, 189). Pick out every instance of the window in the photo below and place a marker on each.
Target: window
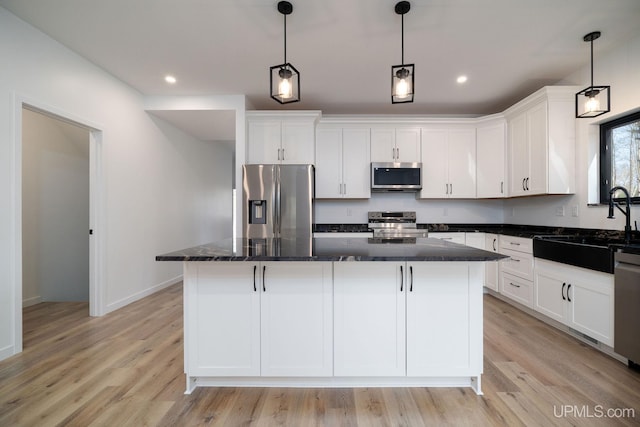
(620, 157)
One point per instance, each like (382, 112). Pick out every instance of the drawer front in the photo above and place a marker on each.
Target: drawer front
(517, 289)
(519, 244)
(520, 264)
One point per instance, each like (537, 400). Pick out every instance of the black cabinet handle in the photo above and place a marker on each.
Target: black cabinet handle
(523, 187)
(568, 295)
(512, 284)
(527, 183)
(563, 298)
(494, 245)
(411, 275)
(264, 284)
(255, 267)
(401, 278)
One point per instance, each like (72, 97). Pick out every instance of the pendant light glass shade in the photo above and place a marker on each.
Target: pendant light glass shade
(402, 75)
(592, 101)
(284, 78)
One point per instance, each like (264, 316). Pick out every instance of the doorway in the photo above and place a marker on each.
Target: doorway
(27, 108)
(55, 210)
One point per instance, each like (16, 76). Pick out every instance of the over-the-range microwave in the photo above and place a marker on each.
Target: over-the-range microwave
(390, 176)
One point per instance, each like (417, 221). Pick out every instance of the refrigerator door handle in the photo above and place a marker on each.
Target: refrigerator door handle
(277, 214)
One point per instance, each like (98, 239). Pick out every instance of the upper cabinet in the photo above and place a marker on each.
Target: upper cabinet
(342, 162)
(491, 139)
(448, 162)
(541, 143)
(395, 144)
(281, 137)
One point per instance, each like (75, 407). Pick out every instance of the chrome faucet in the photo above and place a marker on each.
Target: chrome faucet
(627, 212)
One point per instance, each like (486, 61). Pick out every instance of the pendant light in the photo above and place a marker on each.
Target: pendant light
(594, 100)
(284, 78)
(402, 75)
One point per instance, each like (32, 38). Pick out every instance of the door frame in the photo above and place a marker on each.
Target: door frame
(96, 207)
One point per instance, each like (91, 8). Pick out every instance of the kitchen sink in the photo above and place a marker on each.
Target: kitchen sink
(592, 252)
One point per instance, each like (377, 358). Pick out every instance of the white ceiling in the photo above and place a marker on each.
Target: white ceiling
(343, 49)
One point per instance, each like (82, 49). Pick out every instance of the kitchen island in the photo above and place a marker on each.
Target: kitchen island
(333, 312)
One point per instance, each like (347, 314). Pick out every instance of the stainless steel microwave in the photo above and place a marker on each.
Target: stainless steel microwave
(389, 176)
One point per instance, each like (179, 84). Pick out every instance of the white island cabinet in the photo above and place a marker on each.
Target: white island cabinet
(332, 312)
(258, 319)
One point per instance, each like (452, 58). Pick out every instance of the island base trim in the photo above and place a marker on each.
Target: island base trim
(473, 382)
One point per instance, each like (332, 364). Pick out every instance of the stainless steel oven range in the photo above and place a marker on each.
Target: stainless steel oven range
(395, 225)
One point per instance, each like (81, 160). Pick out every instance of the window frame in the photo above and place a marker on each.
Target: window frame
(605, 155)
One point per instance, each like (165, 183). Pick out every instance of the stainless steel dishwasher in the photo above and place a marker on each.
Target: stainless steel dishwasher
(627, 307)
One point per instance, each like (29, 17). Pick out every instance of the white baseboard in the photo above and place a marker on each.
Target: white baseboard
(31, 301)
(145, 293)
(7, 352)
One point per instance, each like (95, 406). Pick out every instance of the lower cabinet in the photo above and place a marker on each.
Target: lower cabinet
(579, 298)
(369, 331)
(444, 336)
(240, 319)
(491, 269)
(413, 319)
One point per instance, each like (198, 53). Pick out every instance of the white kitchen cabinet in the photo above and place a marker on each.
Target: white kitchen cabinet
(395, 144)
(274, 137)
(492, 269)
(516, 272)
(491, 148)
(448, 163)
(296, 319)
(249, 308)
(222, 306)
(455, 237)
(541, 143)
(343, 163)
(579, 298)
(369, 319)
(475, 240)
(438, 295)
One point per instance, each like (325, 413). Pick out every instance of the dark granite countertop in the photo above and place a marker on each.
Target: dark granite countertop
(330, 249)
(527, 231)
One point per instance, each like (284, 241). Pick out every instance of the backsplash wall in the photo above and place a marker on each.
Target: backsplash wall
(427, 211)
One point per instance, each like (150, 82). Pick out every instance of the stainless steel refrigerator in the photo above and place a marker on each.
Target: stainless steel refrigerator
(277, 201)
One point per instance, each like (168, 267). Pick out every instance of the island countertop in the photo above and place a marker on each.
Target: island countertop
(331, 249)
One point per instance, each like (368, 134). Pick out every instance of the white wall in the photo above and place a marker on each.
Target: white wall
(621, 70)
(153, 175)
(427, 211)
(55, 210)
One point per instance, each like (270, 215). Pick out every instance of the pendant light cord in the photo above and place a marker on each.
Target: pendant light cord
(592, 63)
(402, 37)
(285, 39)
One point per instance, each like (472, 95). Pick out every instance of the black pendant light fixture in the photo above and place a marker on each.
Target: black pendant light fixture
(402, 75)
(594, 100)
(284, 78)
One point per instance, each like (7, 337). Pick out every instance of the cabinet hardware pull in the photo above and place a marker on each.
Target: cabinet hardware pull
(563, 285)
(411, 275)
(255, 267)
(568, 295)
(345, 188)
(514, 243)
(523, 187)
(283, 154)
(450, 188)
(401, 278)
(494, 244)
(278, 154)
(446, 238)
(515, 259)
(501, 187)
(264, 284)
(517, 286)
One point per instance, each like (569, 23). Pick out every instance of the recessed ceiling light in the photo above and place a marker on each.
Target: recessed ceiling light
(461, 79)
(170, 79)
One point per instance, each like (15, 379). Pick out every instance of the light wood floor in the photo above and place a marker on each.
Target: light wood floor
(125, 369)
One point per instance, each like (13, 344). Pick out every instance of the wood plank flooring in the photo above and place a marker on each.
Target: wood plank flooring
(125, 369)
